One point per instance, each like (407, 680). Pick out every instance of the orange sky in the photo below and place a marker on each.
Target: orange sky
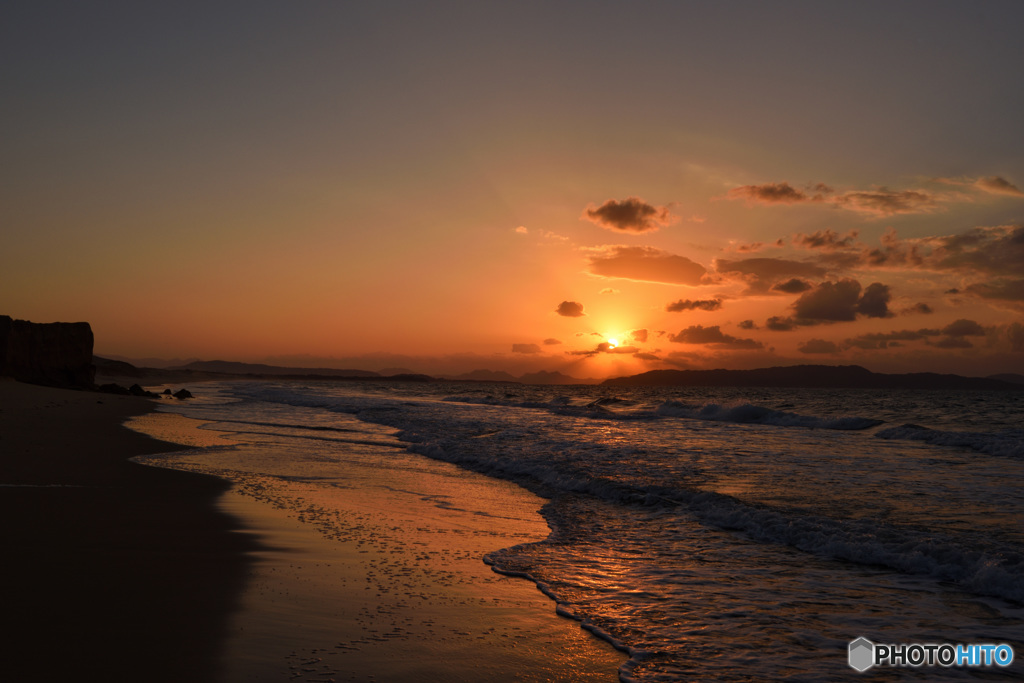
(436, 189)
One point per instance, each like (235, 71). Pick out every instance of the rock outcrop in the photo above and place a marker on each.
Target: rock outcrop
(54, 354)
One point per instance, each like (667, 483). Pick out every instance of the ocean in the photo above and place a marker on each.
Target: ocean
(711, 534)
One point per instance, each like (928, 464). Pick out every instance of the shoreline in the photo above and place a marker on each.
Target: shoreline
(380, 576)
(110, 567)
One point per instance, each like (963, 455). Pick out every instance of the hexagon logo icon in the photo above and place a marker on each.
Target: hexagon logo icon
(862, 654)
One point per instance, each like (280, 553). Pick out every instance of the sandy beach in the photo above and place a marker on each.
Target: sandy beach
(109, 567)
(145, 573)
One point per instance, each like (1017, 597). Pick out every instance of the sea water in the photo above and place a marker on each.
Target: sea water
(712, 534)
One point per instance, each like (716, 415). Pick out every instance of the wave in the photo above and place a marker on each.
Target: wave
(1008, 444)
(747, 413)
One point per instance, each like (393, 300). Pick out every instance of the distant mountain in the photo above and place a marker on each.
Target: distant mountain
(233, 368)
(151, 362)
(811, 376)
(485, 376)
(544, 377)
(1008, 377)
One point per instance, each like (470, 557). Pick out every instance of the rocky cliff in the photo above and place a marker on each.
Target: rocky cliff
(55, 354)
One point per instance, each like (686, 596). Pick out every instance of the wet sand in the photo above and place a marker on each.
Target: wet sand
(371, 570)
(110, 569)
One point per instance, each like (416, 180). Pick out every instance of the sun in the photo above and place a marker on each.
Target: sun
(612, 343)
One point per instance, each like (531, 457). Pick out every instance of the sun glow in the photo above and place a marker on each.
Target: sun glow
(612, 342)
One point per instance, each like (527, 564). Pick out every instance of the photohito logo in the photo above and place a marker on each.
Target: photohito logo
(864, 654)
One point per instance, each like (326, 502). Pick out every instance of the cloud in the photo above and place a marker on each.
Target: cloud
(841, 301)
(645, 264)
(779, 324)
(883, 202)
(713, 336)
(769, 193)
(570, 309)
(1015, 333)
(607, 347)
(792, 286)
(639, 335)
(748, 325)
(688, 305)
(964, 328)
(525, 348)
(882, 340)
(1003, 288)
(761, 274)
(826, 240)
(522, 230)
(954, 343)
(608, 290)
(632, 215)
(918, 308)
(743, 248)
(874, 302)
(997, 185)
(551, 342)
(646, 356)
(818, 346)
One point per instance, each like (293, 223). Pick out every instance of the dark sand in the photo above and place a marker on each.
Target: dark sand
(110, 570)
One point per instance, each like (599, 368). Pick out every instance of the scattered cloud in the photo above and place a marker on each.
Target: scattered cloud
(883, 202)
(525, 348)
(761, 274)
(882, 340)
(639, 335)
(522, 230)
(1015, 333)
(842, 301)
(713, 336)
(918, 308)
(748, 325)
(570, 309)
(792, 286)
(645, 264)
(826, 240)
(997, 185)
(770, 193)
(632, 215)
(608, 290)
(818, 346)
(964, 328)
(1003, 288)
(954, 343)
(688, 305)
(551, 342)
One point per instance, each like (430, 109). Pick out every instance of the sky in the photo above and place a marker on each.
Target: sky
(595, 188)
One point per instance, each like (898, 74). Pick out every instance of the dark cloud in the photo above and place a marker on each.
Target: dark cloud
(525, 348)
(639, 335)
(990, 251)
(882, 340)
(690, 305)
(884, 202)
(818, 346)
(746, 248)
(826, 240)
(646, 264)
(792, 286)
(1003, 288)
(874, 302)
(954, 343)
(842, 301)
(779, 324)
(769, 193)
(1015, 333)
(829, 301)
(570, 309)
(761, 274)
(964, 328)
(630, 215)
(646, 356)
(919, 307)
(551, 342)
(607, 347)
(748, 325)
(713, 336)
(997, 185)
